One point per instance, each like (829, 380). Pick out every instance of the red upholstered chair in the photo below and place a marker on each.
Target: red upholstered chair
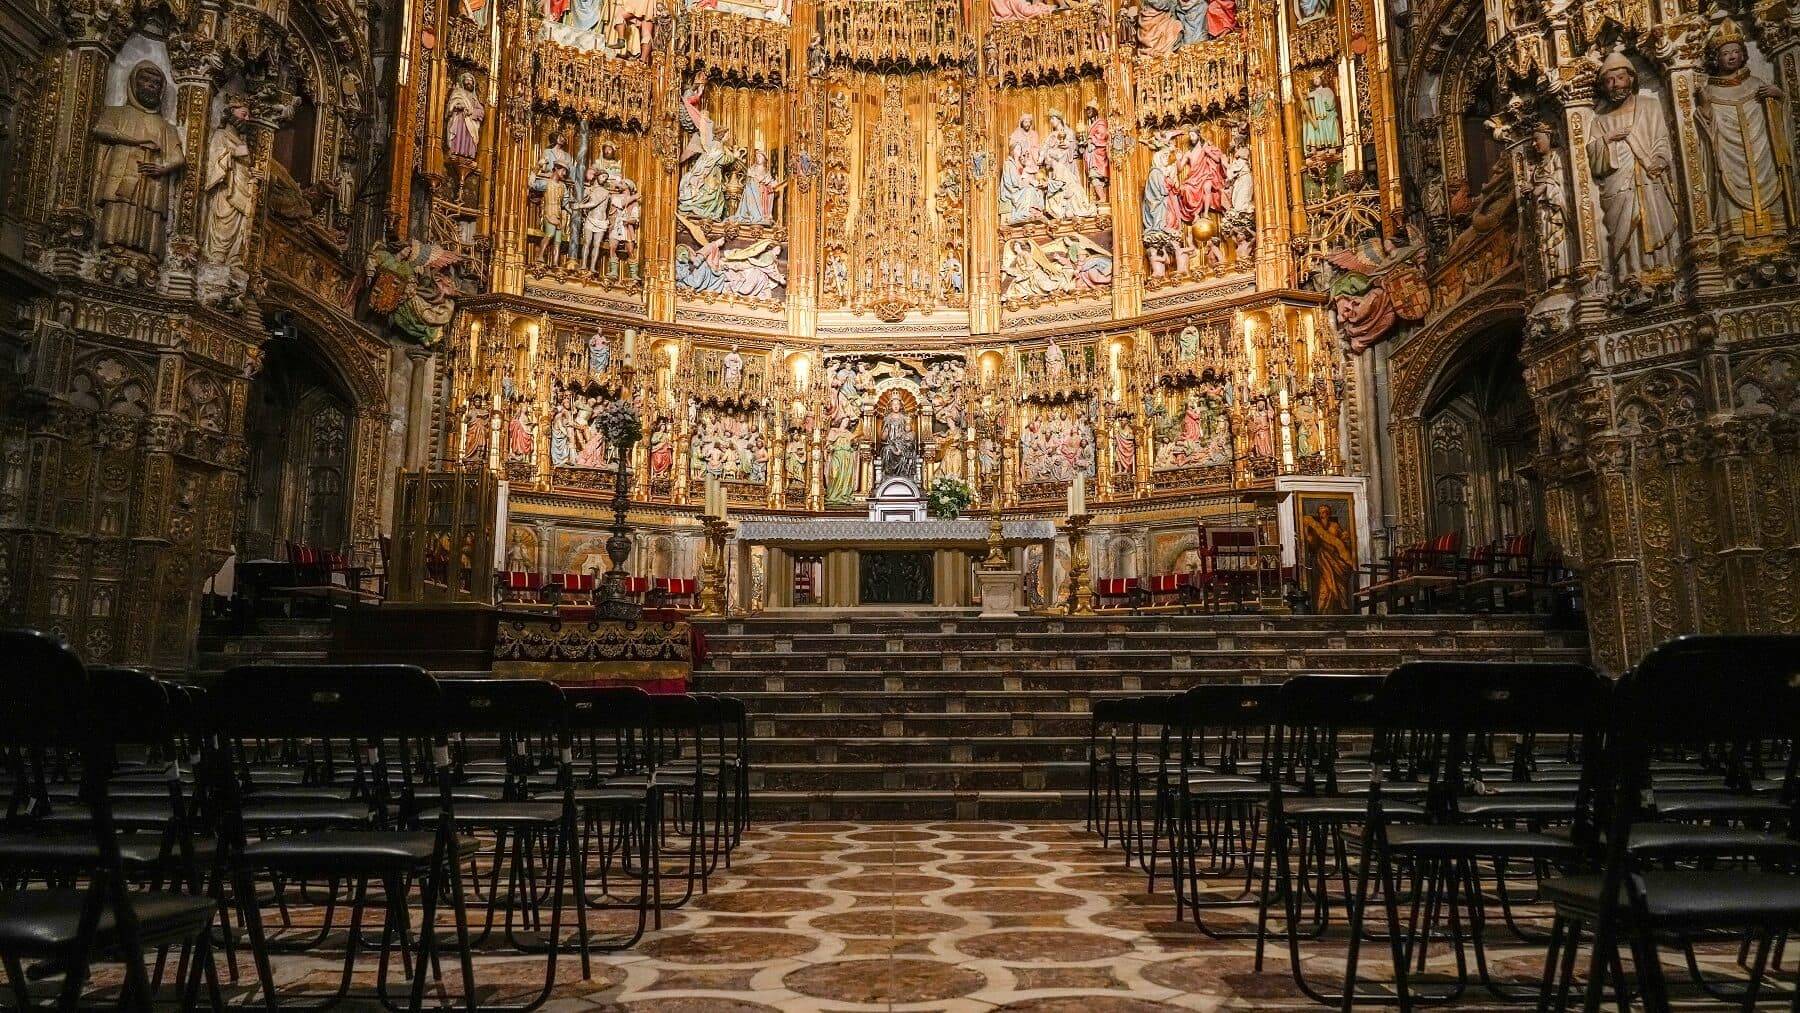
(310, 566)
(566, 588)
(1115, 592)
(516, 586)
(670, 592)
(636, 588)
(1163, 588)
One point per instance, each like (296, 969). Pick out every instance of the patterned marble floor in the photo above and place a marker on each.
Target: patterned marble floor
(913, 917)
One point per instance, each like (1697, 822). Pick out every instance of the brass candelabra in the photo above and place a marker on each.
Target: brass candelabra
(714, 599)
(1081, 591)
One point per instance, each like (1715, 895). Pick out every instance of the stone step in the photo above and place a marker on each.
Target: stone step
(828, 751)
(784, 806)
(1060, 776)
(910, 701)
(900, 726)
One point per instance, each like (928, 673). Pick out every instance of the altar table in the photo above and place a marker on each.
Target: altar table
(869, 563)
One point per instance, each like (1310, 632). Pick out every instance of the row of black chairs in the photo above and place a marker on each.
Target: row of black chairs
(1388, 820)
(147, 816)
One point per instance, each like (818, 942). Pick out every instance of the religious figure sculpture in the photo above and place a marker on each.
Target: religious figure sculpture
(555, 214)
(1066, 191)
(1187, 343)
(1096, 151)
(1321, 127)
(410, 285)
(950, 272)
(599, 353)
(840, 464)
(731, 369)
(621, 236)
(899, 446)
(757, 204)
(1055, 363)
(1022, 198)
(592, 212)
(701, 193)
(1203, 178)
(230, 189)
(1159, 30)
(1124, 446)
(1629, 155)
(463, 113)
(1240, 183)
(1549, 198)
(140, 152)
(1741, 119)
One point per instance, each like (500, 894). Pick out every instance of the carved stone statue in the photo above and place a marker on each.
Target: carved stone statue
(899, 447)
(140, 153)
(1740, 117)
(1629, 154)
(230, 189)
(463, 113)
(1549, 200)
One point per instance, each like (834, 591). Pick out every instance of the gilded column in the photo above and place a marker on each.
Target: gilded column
(513, 157)
(658, 225)
(803, 196)
(1280, 202)
(67, 160)
(984, 210)
(1125, 188)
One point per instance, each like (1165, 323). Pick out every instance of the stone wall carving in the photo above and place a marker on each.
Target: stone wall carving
(193, 179)
(1660, 309)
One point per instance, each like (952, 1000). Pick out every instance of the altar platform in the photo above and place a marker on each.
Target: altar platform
(853, 563)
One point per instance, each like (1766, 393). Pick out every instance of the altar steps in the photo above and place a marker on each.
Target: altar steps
(962, 718)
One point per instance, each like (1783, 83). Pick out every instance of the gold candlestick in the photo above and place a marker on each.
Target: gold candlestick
(1081, 594)
(996, 538)
(713, 596)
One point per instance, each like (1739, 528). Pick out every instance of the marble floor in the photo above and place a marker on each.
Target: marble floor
(929, 916)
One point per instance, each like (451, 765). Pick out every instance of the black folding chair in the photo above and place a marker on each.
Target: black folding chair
(1453, 712)
(387, 713)
(1731, 705)
(51, 714)
(522, 826)
(619, 802)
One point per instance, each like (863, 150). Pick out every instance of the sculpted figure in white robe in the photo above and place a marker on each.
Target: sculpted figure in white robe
(1740, 118)
(1630, 157)
(230, 190)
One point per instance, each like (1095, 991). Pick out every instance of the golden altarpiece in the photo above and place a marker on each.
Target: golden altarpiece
(1052, 239)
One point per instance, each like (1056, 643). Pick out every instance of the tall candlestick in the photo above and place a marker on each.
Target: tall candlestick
(724, 504)
(1078, 495)
(711, 499)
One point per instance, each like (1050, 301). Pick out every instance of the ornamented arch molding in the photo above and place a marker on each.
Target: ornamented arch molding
(358, 357)
(1418, 367)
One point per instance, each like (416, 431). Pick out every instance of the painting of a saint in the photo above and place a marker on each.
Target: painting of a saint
(1328, 552)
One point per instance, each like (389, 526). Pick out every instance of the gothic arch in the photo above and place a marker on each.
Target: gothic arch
(358, 358)
(1421, 365)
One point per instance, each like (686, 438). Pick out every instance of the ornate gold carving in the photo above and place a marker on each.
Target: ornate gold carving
(1195, 80)
(591, 84)
(737, 49)
(891, 34)
(1049, 47)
